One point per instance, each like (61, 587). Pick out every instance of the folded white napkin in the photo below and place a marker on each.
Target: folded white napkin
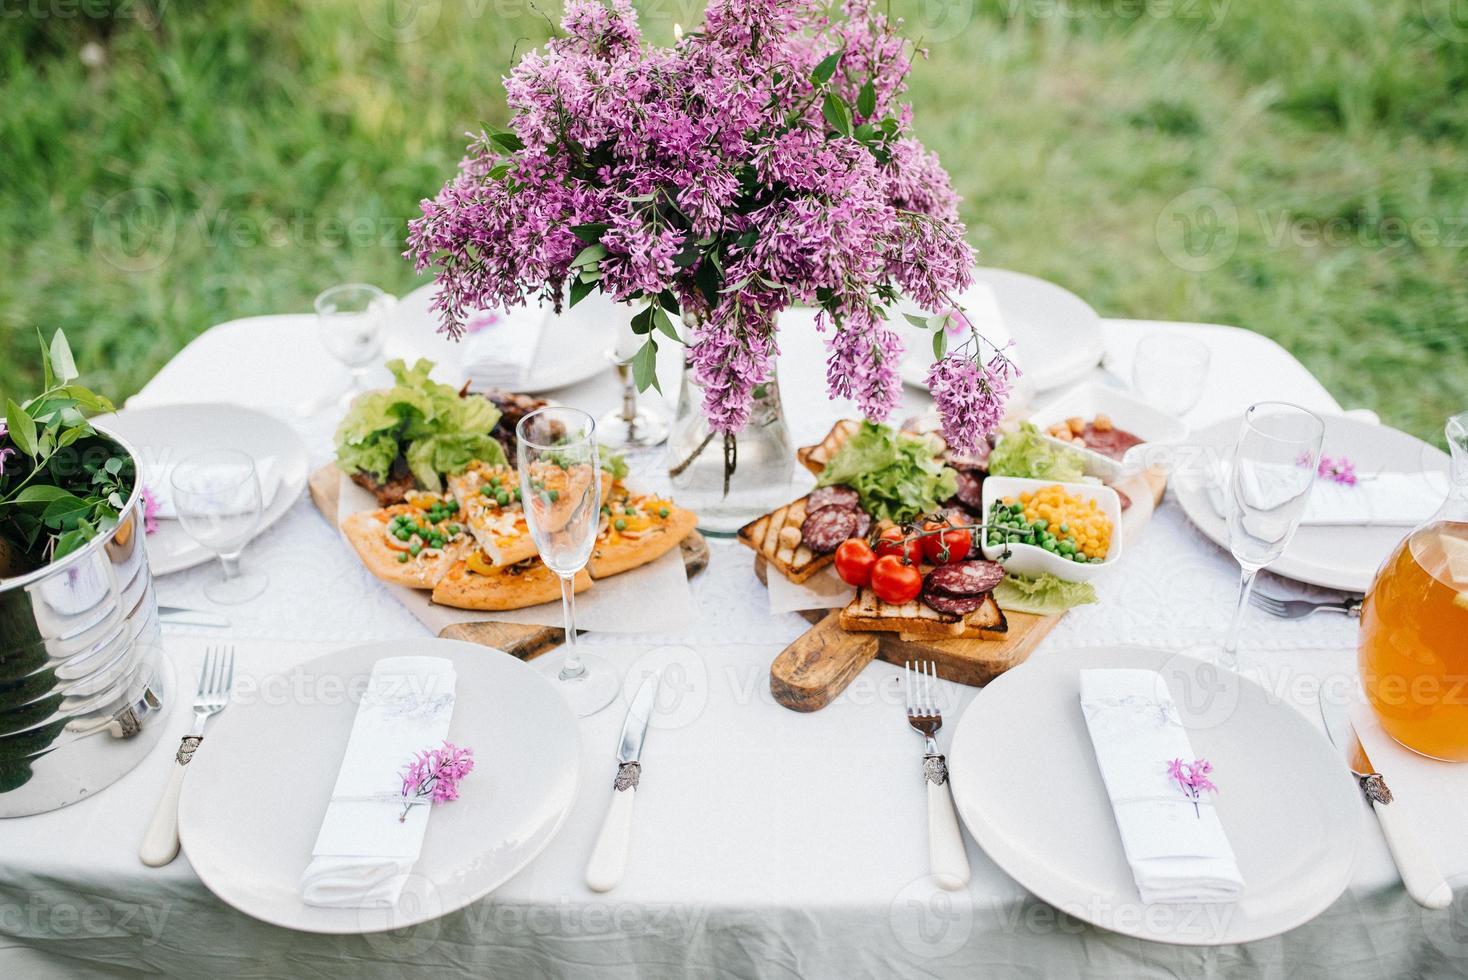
(500, 350)
(363, 854)
(1178, 852)
(159, 481)
(1383, 499)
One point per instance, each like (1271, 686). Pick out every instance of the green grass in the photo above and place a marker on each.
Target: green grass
(1297, 169)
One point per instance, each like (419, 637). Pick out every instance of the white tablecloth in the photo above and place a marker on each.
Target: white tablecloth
(767, 843)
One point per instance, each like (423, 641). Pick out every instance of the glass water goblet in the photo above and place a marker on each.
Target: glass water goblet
(1268, 488)
(352, 322)
(560, 489)
(1169, 372)
(217, 495)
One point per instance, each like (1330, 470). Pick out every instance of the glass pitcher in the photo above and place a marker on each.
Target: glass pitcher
(1414, 626)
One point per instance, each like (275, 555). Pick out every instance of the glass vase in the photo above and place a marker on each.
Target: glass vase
(729, 480)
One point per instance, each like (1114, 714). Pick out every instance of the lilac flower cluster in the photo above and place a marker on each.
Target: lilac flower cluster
(1338, 470)
(433, 775)
(763, 161)
(1192, 778)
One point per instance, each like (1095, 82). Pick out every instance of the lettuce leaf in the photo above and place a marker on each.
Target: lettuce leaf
(425, 422)
(897, 474)
(1043, 596)
(1030, 455)
(614, 465)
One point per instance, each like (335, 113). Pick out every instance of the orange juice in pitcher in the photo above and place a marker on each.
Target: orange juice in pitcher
(1414, 626)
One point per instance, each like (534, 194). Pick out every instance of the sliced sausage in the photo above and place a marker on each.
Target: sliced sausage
(863, 522)
(954, 605)
(838, 495)
(970, 491)
(965, 578)
(823, 530)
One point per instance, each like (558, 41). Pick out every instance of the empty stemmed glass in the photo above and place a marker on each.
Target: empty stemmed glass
(1268, 487)
(217, 496)
(352, 322)
(560, 487)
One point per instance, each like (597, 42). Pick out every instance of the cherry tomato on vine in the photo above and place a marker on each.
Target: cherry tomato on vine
(854, 561)
(893, 541)
(956, 542)
(895, 581)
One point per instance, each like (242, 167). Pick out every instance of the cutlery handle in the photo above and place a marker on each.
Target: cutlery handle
(160, 840)
(947, 857)
(1425, 883)
(609, 856)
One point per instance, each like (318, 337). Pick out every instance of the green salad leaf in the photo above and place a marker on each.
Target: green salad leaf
(427, 423)
(614, 465)
(1043, 596)
(897, 474)
(1028, 454)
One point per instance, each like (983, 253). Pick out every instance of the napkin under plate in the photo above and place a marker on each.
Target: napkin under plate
(363, 853)
(1178, 853)
(159, 481)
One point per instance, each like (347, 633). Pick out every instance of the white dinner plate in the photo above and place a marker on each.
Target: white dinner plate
(1026, 783)
(257, 789)
(168, 433)
(573, 344)
(1333, 557)
(1056, 334)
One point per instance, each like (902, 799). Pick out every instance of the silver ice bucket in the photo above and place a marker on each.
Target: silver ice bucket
(81, 669)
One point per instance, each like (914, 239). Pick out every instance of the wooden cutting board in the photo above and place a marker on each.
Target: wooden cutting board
(814, 669)
(525, 642)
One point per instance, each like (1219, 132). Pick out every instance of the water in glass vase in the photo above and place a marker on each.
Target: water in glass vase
(730, 480)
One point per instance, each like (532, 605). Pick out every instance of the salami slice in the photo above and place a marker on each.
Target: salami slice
(970, 491)
(863, 523)
(823, 530)
(833, 496)
(954, 605)
(1125, 500)
(964, 579)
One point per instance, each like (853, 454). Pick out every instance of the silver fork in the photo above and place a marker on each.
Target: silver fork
(1299, 608)
(216, 677)
(947, 859)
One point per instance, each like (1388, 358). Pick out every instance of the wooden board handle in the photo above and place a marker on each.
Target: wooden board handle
(810, 672)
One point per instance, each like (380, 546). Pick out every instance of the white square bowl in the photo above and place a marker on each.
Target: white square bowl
(1089, 400)
(1031, 560)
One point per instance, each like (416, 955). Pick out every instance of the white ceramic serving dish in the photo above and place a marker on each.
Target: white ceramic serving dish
(1029, 559)
(1087, 401)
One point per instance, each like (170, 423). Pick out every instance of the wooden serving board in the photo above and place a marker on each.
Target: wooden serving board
(814, 669)
(525, 642)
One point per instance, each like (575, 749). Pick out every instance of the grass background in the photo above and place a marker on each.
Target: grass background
(1297, 169)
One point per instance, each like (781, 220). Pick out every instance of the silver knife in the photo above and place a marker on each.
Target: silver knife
(1425, 883)
(190, 617)
(609, 856)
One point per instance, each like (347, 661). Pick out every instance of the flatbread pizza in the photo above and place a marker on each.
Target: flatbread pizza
(411, 544)
(489, 498)
(637, 529)
(476, 583)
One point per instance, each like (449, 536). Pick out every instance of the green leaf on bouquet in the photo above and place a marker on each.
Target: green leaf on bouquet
(642, 321)
(590, 233)
(838, 117)
(866, 100)
(508, 142)
(645, 366)
(921, 322)
(499, 171)
(580, 289)
(822, 72)
(22, 428)
(940, 344)
(669, 301)
(664, 323)
(590, 255)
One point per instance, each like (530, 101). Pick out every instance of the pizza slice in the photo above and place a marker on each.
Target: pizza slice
(489, 501)
(412, 543)
(637, 529)
(477, 583)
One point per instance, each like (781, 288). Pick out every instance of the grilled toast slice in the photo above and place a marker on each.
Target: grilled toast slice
(815, 458)
(775, 537)
(987, 622)
(868, 613)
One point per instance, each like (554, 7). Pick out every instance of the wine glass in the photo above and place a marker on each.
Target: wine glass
(560, 488)
(352, 322)
(633, 425)
(1168, 372)
(1268, 487)
(217, 495)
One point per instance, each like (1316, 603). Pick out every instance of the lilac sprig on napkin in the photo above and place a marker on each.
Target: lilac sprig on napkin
(433, 776)
(1193, 779)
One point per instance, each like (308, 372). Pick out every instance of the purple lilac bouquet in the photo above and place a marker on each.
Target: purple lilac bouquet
(433, 776)
(762, 161)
